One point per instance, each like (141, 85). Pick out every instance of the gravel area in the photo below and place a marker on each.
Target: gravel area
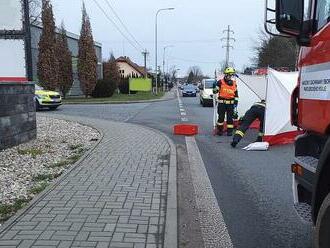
(25, 170)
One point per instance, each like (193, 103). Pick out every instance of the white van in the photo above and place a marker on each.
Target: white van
(206, 92)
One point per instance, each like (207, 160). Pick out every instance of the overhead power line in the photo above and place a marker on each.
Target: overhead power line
(116, 26)
(122, 23)
(193, 61)
(193, 42)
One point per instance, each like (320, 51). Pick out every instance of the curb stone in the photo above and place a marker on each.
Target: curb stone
(124, 102)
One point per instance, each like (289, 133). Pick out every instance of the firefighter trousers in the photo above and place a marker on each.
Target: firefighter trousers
(228, 111)
(255, 112)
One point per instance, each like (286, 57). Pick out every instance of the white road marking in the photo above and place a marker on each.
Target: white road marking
(181, 107)
(213, 227)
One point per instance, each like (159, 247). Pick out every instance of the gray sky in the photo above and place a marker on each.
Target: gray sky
(194, 28)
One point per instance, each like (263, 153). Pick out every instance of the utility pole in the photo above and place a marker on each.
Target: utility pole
(27, 32)
(228, 39)
(145, 54)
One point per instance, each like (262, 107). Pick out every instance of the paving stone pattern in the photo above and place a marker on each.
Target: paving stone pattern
(116, 197)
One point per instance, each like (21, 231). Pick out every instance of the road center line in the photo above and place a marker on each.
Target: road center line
(213, 227)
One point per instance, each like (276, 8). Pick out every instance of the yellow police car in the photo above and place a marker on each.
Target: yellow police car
(46, 98)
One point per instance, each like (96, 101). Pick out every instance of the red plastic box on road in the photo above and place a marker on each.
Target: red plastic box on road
(185, 129)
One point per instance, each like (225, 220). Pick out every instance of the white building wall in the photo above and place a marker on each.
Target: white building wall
(127, 70)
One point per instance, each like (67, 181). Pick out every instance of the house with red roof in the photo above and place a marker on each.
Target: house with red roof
(127, 68)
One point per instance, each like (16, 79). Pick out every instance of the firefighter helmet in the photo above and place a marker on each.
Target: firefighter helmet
(229, 71)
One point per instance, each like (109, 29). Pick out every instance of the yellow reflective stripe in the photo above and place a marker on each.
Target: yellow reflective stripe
(220, 123)
(230, 126)
(240, 133)
(226, 101)
(260, 104)
(260, 134)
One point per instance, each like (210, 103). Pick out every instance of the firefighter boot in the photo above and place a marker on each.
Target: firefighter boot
(237, 137)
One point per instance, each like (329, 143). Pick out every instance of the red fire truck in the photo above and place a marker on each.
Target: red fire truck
(309, 22)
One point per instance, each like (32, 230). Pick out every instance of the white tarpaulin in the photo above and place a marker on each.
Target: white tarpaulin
(278, 128)
(246, 94)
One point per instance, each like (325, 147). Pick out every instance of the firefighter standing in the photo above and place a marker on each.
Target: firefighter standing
(257, 111)
(227, 100)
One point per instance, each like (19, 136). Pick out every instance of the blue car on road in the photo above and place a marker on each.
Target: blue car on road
(189, 90)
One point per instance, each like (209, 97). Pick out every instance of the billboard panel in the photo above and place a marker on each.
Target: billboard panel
(140, 84)
(11, 15)
(12, 62)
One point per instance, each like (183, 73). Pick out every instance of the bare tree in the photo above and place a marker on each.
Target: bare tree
(35, 10)
(275, 52)
(195, 74)
(172, 75)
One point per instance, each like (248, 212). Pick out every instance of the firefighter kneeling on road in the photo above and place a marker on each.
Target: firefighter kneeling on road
(257, 111)
(227, 100)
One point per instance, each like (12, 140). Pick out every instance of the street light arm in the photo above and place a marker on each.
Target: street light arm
(156, 48)
(163, 10)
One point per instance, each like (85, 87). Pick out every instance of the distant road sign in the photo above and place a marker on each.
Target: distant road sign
(11, 15)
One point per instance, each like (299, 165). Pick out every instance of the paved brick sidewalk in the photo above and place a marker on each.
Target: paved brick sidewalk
(115, 197)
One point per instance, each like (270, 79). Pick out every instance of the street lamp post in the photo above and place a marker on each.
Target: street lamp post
(156, 39)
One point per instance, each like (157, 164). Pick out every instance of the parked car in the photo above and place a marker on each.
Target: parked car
(189, 90)
(46, 98)
(206, 92)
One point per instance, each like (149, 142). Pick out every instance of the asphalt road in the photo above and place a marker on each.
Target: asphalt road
(253, 189)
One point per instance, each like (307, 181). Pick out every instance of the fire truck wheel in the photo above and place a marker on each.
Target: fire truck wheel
(322, 228)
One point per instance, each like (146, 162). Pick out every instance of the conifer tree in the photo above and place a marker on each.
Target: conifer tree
(47, 62)
(87, 60)
(111, 70)
(64, 58)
